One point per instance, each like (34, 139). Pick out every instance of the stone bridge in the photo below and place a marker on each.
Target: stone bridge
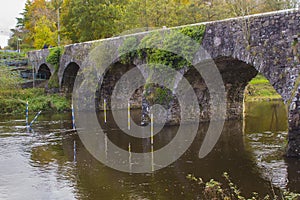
(241, 47)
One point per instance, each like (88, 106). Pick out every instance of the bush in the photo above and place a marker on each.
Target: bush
(54, 56)
(229, 191)
(54, 59)
(181, 49)
(8, 79)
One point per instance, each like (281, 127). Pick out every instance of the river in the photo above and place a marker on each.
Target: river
(49, 162)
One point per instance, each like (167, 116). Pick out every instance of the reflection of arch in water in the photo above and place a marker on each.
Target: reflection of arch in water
(69, 76)
(265, 116)
(43, 72)
(274, 119)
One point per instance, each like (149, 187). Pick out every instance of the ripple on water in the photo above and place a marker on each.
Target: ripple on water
(268, 155)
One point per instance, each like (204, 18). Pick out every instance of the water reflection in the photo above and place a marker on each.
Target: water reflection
(53, 169)
(266, 131)
(263, 117)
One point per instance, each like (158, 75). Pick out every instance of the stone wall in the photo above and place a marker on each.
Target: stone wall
(263, 41)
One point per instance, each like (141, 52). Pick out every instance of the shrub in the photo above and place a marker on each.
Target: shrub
(54, 59)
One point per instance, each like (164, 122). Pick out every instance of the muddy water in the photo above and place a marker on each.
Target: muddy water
(49, 162)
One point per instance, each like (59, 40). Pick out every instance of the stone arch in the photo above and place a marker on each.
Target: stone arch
(236, 75)
(111, 76)
(44, 72)
(69, 76)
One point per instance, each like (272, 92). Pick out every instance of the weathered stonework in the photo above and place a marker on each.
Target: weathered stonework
(241, 47)
(293, 149)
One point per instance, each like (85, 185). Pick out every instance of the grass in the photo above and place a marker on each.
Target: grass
(6, 56)
(14, 101)
(259, 88)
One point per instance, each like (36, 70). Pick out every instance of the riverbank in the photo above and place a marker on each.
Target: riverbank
(14, 101)
(260, 89)
(13, 98)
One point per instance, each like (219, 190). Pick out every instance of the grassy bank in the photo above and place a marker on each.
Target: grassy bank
(260, 89)
(13, 99)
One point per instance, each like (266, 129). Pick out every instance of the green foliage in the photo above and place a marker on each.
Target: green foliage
(53, 81)
(294, 43)
(157, 95)
(12, 55)
(128, 50)
(54, 59)
(194, 32)
(259, 79)
(54, 56)
(9, 79)
(163, 49)
(83, 21)
(14, 101)
(229, 191)
(173, 48)
(259, 88)
(45, 33)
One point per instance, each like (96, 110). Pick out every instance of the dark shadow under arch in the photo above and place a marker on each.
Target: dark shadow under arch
(235, 75)
(43, 72)
(69, 77)
(111, 76)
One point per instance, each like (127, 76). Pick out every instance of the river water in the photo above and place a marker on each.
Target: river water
(49, 162)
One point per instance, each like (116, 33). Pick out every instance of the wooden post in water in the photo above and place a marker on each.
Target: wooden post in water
(74, 151)
(26, 114)
(105, 145)
(129, 158)
(104, 105)
(152, 141)
(128, 115)
(73, 118)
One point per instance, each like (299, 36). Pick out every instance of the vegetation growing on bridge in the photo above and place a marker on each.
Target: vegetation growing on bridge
(171, 48)
(174, 48)
(128, 50)
(156, 94)
(54, 59)
(295, 48)
(164, 47)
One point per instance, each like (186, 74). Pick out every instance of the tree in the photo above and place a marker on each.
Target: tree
(44, 33)
(83, 20)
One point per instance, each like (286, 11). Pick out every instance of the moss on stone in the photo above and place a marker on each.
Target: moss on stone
(128, 51)
(158, 95)
(173, 48)
(54, 59)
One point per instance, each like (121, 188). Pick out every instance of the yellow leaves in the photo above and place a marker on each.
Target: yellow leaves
(44, 33)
